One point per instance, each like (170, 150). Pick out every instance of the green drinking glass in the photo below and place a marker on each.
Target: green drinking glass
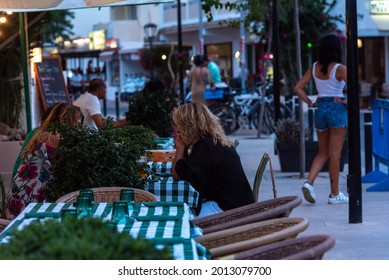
(120, 212)
(84, 206)
(127, 195)
(88, 192)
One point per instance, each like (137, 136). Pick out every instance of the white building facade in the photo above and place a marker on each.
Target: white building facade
(222, 43)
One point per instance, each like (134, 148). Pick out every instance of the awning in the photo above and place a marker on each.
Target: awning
(107, 56)
(45, 5)
(130, 54)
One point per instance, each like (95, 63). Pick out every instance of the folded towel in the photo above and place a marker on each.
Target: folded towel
(42, 215)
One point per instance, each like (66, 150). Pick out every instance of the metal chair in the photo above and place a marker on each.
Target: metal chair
(236, 143)
(259, 174)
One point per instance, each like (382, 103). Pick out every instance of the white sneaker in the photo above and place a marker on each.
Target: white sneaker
(309, 192)
(340, 198)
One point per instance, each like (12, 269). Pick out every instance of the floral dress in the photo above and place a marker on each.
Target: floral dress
(28, 184)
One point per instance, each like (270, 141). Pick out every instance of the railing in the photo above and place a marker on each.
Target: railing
(380, 128)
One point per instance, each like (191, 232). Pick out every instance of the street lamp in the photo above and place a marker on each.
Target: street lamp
(150, 30)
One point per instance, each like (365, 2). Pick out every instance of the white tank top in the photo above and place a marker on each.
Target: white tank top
(330, 87)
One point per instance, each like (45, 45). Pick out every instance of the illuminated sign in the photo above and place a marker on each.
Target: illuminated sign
(379, 7)
(97, 41)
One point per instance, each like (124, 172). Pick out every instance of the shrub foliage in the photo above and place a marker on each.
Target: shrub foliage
(78, 239)
(90, 158)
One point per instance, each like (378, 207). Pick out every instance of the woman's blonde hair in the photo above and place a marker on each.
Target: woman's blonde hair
(62, 113)
(195, 121)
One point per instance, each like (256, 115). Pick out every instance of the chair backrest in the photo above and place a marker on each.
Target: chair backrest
(236, 143)
(259, 174)
(110, 194)
(247, 214)
(311, 247)
(2, 194)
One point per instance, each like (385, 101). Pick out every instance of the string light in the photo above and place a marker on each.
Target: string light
(3, 18)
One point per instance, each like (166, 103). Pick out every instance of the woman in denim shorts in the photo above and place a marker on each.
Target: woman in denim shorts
(330, 77)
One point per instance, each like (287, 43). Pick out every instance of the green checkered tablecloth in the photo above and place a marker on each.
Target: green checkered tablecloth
(167, 189)
(160, 167)
(167, 223)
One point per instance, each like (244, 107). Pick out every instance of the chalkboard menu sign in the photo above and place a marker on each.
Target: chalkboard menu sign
(51, 82)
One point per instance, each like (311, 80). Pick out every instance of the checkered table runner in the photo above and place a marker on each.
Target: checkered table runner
(170, 226)
(167, 189)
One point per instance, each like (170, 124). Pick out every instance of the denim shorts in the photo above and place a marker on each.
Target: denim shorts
(330, 114)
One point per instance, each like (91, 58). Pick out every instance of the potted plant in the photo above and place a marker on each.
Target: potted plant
(287, 142)
(152, 108)
(90, 158)
(78, 239)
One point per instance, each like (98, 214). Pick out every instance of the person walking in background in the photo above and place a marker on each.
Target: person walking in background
(330, 78)
(34, 171)
(199, 78)
(214, 71)
(208, 160)
(90, 105)
(77, 83)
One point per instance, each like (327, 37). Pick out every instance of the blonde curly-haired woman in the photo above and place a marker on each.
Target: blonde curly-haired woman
(208, 160)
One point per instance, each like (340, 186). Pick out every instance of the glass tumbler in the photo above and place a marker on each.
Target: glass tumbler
(120, 212)
(88, 192)
(84, 206)
(129, 196)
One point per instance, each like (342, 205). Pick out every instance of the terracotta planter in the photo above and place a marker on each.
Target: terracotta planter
(289, 155)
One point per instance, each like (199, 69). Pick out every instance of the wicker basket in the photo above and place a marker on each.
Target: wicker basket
(110, 194)
(301, 248)
(255, 212)
(160, 155)
(237, 239)
(3, 224)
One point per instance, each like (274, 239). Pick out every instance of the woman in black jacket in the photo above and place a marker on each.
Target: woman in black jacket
(208, 160)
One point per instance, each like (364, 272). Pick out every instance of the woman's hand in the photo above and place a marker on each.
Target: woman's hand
(178, 142)
(180, 146)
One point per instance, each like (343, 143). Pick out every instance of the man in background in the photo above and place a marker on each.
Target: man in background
(77, 83)
(214, 71)
(89, 103)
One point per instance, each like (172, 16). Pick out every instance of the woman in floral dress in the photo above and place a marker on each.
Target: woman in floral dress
(34, 170)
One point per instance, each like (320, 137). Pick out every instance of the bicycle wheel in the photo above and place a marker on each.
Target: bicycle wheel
(269, 115)
(255, 121)
(226, 116)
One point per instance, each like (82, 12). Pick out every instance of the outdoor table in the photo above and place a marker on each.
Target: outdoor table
(166, 188)
(166, 223)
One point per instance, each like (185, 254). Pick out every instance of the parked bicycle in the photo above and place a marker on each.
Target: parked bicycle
(243, 110)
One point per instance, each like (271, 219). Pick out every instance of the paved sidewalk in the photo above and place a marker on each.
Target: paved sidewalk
(368, 240)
